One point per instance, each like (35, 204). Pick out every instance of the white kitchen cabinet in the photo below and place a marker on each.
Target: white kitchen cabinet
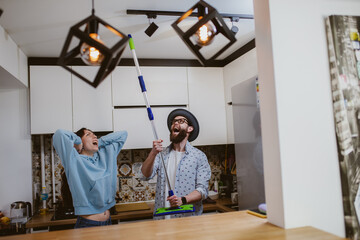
(135, 121)
(164, 85)
(50, 99)
(207, 103)
(92, 107)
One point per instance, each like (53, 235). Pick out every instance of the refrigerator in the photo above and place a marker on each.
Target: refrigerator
(248, 144)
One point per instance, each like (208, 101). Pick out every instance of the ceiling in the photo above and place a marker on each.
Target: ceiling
(39, 27)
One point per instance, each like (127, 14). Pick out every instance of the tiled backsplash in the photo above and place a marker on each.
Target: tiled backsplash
(129, 187)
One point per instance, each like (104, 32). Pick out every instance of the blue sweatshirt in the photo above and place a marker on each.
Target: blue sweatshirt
(92, 180)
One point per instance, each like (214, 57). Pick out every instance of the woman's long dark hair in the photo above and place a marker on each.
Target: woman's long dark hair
(65, 190)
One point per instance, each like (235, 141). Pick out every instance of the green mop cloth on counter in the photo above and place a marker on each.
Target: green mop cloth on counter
(167, 211)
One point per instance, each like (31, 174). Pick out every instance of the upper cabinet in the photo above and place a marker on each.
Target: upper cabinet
(92, 107)
(13, 61)
(164, 85)
(62, 100)
(50, 99)
(207, 103)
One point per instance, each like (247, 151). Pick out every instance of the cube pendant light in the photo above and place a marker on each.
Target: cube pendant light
(98, 53)
(210, 23)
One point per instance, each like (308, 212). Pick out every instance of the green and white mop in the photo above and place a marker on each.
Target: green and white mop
(160, 211)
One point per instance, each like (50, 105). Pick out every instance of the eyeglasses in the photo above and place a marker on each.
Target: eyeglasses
(180, 121)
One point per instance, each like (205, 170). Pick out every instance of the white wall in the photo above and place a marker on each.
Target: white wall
(235, 72)
(302, 177)
(15, 148)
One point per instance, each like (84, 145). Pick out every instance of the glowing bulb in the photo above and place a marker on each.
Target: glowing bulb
(89, 54)
(205, 34)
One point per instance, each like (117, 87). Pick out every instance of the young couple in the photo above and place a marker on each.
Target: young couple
(90, 167)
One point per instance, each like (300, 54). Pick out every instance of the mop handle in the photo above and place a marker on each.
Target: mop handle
(148, 108)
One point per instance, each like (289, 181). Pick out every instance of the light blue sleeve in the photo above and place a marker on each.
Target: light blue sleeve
(114, 140)
(63, 142)
(203, 175)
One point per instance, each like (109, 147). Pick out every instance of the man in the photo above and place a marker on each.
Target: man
(187, 167)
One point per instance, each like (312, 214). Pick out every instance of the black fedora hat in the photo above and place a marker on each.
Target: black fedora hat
(191, 119)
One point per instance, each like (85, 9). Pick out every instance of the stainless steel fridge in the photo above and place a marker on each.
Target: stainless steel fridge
(248, 144)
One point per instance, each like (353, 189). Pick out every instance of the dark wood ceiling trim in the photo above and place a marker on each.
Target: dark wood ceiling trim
(51, 61)
(238, 53)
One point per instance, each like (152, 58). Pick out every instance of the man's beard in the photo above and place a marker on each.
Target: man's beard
(178, 138)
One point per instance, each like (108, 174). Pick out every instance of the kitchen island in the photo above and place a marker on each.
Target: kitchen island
(230, 225)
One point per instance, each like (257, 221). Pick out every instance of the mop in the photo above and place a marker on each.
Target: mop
(160, 211)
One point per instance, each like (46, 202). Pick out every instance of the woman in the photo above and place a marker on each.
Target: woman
(91, 170)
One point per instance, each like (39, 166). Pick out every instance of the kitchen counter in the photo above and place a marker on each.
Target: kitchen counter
(231, 225)
(221, 205)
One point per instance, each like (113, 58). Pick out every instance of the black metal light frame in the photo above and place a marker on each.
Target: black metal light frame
(207, 13)
(111, 55)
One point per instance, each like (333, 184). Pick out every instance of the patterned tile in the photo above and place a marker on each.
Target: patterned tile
(125, 169)
(150, 192)
(138, 184)
(139, 196)
(124, 156)
(136, 168)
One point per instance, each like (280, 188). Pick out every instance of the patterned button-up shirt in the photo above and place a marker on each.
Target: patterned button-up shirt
(193, 173)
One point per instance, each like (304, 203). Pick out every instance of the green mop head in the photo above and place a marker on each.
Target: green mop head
(167, 211)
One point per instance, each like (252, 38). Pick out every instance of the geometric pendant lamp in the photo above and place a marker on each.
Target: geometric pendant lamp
(92, 50)
(210, 23)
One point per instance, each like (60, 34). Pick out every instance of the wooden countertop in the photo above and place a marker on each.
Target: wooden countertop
(231, 225)
(45, 220)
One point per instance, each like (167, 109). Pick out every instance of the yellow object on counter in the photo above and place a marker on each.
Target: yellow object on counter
(5, 220)
(256, 214)
(44, 211)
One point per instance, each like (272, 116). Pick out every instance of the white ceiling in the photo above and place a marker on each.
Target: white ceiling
(39, 27)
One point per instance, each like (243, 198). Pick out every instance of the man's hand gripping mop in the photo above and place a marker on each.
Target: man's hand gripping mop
(160, 211)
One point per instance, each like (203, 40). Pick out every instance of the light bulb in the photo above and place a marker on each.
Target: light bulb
(205, 34)
(89, 54)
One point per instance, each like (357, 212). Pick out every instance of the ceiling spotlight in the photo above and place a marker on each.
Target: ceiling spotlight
(152, 27)
(234, 29)
(92, 50)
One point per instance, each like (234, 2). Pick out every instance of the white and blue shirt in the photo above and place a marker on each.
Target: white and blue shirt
(192, 173)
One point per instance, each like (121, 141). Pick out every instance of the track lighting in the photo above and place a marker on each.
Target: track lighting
(93, 51)
(210, 23)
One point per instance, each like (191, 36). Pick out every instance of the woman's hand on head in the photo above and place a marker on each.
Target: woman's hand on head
(78, 147)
